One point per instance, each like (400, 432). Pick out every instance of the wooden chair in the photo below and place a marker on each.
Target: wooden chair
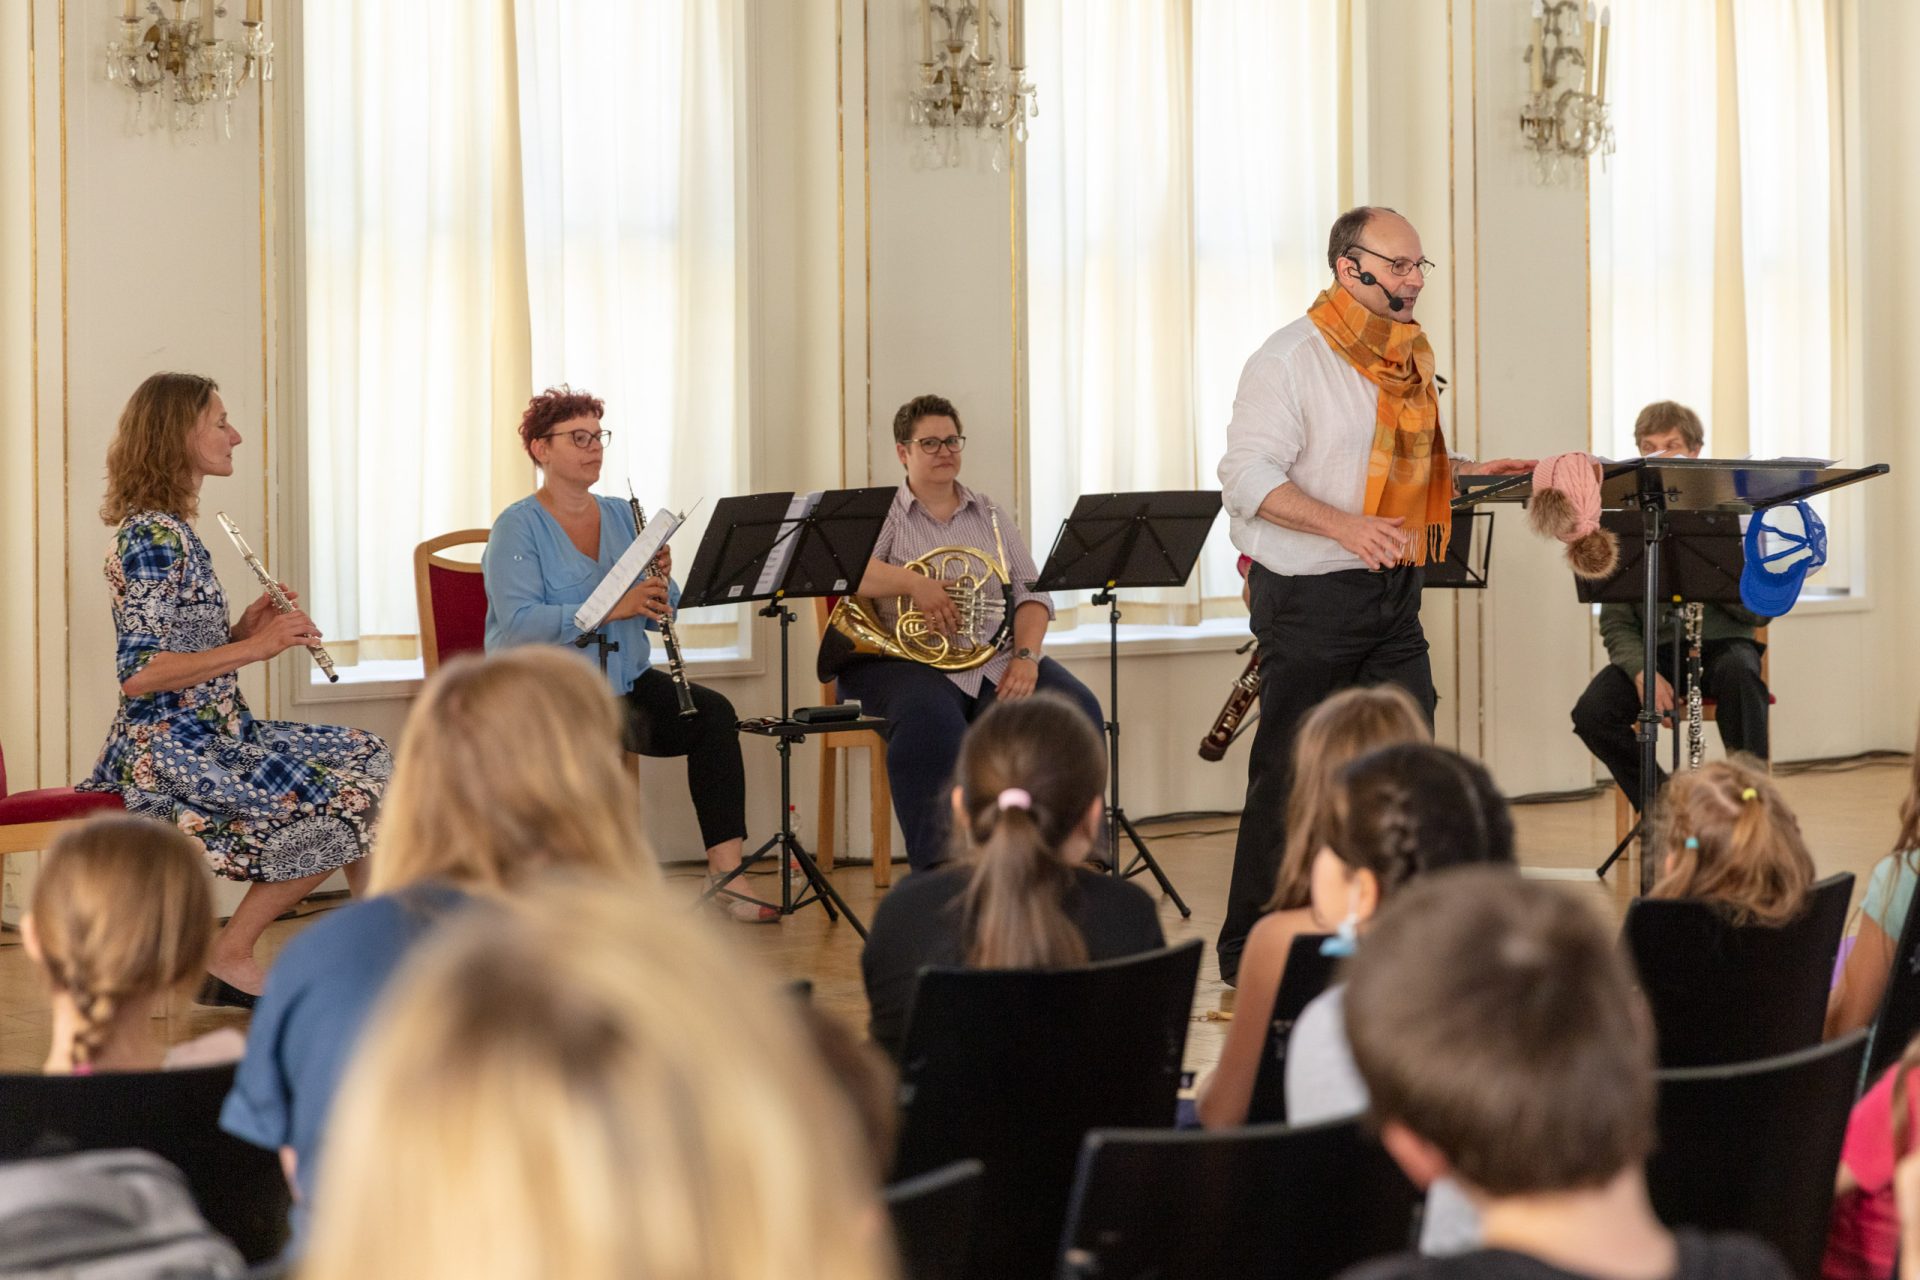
(452, 597)
(879, 792)
(29, 820)
(1709, 712)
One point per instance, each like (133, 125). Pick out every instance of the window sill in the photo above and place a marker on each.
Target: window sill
(1215, 635)
(400, 679)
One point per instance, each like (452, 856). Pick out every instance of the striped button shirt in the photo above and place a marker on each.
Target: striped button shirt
(911, 531)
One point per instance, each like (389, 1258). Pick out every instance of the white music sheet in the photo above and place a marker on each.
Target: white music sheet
(626, 570)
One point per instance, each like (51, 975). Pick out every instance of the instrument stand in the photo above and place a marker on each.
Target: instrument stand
(1128, 540)
(599, 638)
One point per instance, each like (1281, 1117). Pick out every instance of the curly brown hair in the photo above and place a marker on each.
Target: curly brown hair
(554, 406)
(147, 464)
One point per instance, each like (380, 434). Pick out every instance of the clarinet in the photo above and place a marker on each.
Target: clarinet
(1240, 700)
(682, 691)
(1696, 720)
(274, 592)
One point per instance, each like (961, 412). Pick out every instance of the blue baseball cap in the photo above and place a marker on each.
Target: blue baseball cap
(1770, 582)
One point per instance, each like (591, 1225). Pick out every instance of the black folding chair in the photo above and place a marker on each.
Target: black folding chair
(1736, 993)
(933, 1219)
(1752, 1146)
(1307, 974)
(239, 1187)
(1265, 1200)
(1898, 1020)
(1012, 1067)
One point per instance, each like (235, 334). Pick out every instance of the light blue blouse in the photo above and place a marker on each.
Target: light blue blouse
(536, 579)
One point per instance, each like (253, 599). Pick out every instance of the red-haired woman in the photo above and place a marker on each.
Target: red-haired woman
(547, 553)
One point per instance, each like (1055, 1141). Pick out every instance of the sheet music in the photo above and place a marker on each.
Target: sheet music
(626, 570)
(785, 541)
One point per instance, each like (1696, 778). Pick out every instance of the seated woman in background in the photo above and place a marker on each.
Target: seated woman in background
(510, 764)
(1026, 809)
(1344, 727)
(582, 1087)
(121, 915)
(1883, 914)
(278, 804)
(1724, 835)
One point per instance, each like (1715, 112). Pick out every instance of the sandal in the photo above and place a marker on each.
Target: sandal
(738, 906)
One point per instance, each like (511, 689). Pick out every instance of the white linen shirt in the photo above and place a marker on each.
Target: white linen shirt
(1304, 415)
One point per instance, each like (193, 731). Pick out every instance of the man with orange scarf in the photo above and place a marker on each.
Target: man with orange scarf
(1338, 483)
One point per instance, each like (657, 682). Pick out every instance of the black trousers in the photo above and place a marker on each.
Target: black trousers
(709, 740)
(1318, 634)
(927, 714)
(1605, 716)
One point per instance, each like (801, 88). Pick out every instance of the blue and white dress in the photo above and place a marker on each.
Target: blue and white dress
(271, 800)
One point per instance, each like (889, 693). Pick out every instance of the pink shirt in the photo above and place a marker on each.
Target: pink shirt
(1864, 1236)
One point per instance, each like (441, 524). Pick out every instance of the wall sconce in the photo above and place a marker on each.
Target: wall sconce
(1573, 124)
(967, 86)
(180, 62)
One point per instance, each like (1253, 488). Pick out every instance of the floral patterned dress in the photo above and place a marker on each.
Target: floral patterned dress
(271, 800)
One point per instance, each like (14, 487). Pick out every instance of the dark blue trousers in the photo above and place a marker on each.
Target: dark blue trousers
(927, 714)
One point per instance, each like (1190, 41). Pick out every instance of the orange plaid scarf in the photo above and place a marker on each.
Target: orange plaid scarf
(1409, 474)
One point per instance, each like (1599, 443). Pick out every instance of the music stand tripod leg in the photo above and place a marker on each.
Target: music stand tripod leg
(1117, 817)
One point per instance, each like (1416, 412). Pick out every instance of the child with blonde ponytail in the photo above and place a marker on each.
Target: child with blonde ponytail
(121, 915)
(1018, 895)
(1726, 836)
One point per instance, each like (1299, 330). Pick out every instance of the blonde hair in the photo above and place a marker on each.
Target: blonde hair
(147, 464)
(509, 762)
(1341, 729)
(582, 1086)
(1731, 839)
(122, 910)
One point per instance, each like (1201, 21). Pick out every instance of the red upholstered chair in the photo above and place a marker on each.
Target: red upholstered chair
(879, 792)
(29, 820)
(453, 599)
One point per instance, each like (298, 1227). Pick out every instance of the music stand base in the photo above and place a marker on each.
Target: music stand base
(1145, 861)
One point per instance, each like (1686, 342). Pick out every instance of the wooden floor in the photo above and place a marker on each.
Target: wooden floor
(1849, 818)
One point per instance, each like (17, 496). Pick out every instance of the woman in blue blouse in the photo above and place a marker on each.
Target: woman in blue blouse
(278, 804)
(544, 557)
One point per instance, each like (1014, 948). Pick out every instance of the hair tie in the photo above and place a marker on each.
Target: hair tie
(1749, 794)
(1014, 798)
(1693, 842)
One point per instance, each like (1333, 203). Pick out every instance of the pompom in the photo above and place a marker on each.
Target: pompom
(1596, 555)
(1551, 513)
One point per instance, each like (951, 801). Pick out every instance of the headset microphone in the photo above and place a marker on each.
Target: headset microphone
(1394, 302)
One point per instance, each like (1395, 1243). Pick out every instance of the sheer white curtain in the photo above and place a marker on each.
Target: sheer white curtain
(1177, 203)
(629, 128)
(401, 146)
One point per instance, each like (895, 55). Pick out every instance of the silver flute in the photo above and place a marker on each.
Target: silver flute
(274, 592)
(682, 691)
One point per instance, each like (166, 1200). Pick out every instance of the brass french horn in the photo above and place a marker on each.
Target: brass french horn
(981, 589)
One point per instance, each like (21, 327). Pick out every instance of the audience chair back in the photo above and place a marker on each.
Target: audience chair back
(1898, 1021)
(174, 1114)
(1752, 1147)
(452, 597)
(933, 1218)
(1013, 1067)
(1308, 973)
(1265, 1200)
(1736, 993)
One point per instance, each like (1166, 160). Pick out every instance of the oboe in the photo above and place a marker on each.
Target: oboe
(682, 691)
(274, 592)
(1240, 700)
(1696, 713)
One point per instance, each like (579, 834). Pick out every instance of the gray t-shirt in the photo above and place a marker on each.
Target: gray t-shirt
(1323, 1084)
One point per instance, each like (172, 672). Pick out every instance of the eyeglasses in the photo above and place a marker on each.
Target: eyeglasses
(934, 444)
(1400, 267)
(581, 439)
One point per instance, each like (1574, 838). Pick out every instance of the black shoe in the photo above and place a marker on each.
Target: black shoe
(221, 994)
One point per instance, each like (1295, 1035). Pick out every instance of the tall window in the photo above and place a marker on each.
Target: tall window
(501, 196)
(1178, 201)
(1717, 235)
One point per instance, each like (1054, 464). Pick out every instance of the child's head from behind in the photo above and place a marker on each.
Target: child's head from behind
(1340, 729)
(1398, 813)
(121, 911)
(1501, 1037)
(1724, 834)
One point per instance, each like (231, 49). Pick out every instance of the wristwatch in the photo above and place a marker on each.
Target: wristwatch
(1031, 655)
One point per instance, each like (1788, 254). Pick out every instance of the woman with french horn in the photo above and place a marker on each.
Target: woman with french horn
(960, 655)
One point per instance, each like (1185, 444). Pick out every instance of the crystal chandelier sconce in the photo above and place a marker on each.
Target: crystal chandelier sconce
(1565, 120)
(175, 67)
(973, 80)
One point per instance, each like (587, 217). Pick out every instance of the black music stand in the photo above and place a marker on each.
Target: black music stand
(1655, 489)
(1116, 540)
(776, 547)
(1469, 555)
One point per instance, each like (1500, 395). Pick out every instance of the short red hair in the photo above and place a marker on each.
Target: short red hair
(554, 406)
